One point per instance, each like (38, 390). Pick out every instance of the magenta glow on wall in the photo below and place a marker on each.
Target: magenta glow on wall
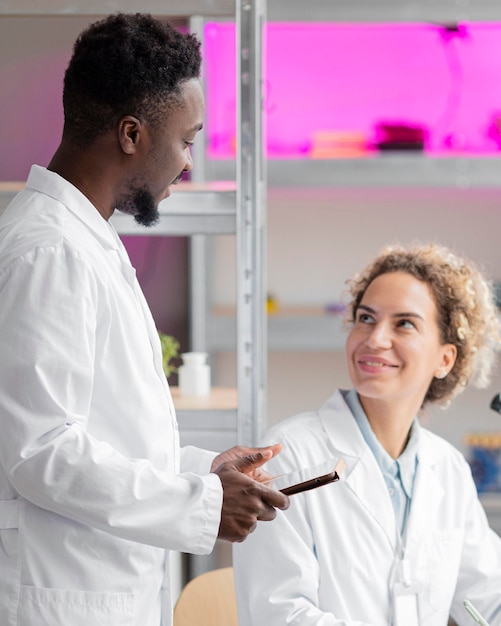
(331, 85)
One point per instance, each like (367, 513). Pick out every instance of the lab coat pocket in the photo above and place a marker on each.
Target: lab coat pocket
(443, 554)
(48, 607)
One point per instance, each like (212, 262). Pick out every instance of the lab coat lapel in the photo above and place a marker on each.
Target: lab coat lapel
(74, 200)
(347, 439)
(427, 494)
(81, 207)
(130, 274)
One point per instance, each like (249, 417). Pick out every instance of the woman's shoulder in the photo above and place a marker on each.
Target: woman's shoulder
(304, 440)
(295, 427)
(441, 451)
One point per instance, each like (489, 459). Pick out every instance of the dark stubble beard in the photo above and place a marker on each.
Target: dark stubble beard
(142, 206)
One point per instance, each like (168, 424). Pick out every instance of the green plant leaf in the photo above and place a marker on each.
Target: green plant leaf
(170, 350)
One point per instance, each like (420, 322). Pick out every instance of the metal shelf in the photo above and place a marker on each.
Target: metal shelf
(396, 169)
(277, 10)
(207, 422)
(192, 209)
(207, 8)
(298, 330)
(445, 11)
(291, 329)
(211, 430)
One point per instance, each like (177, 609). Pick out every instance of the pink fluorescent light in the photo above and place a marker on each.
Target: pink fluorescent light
(332, 84)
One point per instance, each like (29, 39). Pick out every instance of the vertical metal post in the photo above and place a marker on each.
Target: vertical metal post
(251, 223)
(198, 244)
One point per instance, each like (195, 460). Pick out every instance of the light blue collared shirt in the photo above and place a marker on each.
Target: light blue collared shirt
(398, 474)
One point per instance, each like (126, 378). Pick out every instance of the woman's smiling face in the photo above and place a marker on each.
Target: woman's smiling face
(394, 348)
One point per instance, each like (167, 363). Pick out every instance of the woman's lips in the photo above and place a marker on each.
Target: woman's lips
(373, 364)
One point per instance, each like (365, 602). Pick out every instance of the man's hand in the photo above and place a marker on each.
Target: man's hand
(245, 500)
(237, 452)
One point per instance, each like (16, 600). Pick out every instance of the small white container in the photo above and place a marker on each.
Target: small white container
(194, 374)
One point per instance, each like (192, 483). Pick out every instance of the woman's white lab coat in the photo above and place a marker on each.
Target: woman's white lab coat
(331, 559)
(90, 502)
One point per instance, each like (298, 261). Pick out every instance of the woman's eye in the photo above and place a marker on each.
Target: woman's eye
(365, 318)
(406, 324)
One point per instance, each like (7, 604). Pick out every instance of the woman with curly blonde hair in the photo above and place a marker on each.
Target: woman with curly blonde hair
(402, 539)
(466, 312)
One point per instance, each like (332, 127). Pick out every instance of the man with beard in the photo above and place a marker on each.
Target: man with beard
(94, 487)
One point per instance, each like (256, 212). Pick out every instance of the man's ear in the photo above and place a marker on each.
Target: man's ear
(129, 132)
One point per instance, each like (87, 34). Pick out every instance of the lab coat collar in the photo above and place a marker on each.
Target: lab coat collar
(428, 492)
(405, 465)
(52, 184)
(342, 428)
(349, 443)
(345, 436)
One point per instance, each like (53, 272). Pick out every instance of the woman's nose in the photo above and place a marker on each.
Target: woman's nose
(380, 336)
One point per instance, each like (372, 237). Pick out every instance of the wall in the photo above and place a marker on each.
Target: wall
(33, 55)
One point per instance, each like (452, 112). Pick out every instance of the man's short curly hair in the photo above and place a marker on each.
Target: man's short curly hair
(467, 315)
(125, 64)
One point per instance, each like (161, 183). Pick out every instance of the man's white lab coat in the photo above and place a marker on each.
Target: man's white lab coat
(332, 558)
(90, 502)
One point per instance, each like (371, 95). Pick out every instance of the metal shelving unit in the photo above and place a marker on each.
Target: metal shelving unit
(389, 170)
(166, 8)
(191, 210)
(248, 169)
(290, 329)
(200, 209)
(395, 169)
(384, 11)
(284, 10)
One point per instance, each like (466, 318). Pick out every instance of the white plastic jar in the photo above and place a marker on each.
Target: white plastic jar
(194, 374)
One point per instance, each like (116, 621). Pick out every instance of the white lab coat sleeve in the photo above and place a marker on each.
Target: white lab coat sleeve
(276, 571)
(46, 383)
(197, 460)
(479, 577)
